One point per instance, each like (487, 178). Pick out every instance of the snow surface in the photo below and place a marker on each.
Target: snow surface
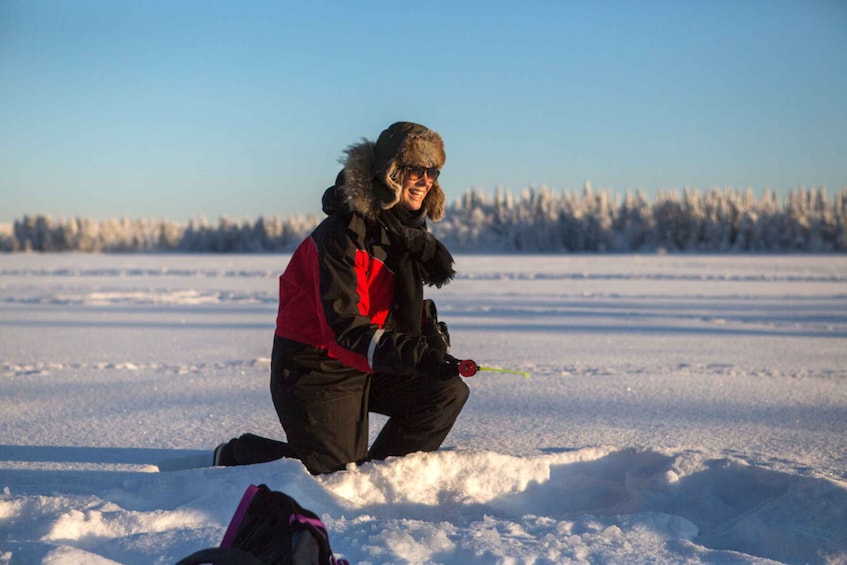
(681, 409)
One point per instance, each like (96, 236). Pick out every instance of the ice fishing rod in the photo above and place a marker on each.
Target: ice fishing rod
(469, 368)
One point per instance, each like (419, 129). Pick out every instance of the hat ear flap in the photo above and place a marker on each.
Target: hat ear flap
(389, 190)
(434, 202)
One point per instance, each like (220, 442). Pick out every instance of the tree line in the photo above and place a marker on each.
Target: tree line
(535, 220)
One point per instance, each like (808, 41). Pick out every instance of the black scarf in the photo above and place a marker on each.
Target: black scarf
(408, 229)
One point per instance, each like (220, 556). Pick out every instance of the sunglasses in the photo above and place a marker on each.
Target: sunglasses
(415, 172)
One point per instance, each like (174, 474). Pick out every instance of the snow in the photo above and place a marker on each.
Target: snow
(681, 409)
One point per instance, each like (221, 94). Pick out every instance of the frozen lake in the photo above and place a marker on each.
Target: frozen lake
(680, 409)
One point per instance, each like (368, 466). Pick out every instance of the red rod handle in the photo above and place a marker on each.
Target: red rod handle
(468, 368)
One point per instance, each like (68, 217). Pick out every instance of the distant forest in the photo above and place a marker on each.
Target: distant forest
(535, 221)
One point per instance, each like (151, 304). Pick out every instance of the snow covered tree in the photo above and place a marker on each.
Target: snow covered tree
(539, 220)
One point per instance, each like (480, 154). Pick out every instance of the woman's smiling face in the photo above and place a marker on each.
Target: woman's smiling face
(417, 183)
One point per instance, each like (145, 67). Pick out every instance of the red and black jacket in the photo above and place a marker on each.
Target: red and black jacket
(351, 293)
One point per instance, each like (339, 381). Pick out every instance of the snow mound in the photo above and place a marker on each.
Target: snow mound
(456, 506)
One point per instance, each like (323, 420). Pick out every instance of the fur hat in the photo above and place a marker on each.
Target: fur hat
(374, 171)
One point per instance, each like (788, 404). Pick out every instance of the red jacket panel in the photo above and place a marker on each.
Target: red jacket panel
(336, 294)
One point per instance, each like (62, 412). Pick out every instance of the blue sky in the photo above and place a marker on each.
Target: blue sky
(181, 109)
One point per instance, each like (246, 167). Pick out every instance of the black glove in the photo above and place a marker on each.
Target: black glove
(439, 270)
(420, 243)
(438, 364)
(435, 332)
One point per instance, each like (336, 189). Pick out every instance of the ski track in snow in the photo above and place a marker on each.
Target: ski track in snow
(680, 410)
(8, 369)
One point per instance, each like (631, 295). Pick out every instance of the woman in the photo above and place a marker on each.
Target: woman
(354, 334)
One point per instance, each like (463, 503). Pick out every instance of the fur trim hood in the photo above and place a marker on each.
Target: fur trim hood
(372, 177)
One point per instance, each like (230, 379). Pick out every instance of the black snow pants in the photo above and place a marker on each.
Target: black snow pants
(323, 407)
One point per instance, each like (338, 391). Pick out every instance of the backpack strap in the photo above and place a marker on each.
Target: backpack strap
(238, 517)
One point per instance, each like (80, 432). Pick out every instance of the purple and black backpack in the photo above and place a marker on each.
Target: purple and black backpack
(270, 527)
